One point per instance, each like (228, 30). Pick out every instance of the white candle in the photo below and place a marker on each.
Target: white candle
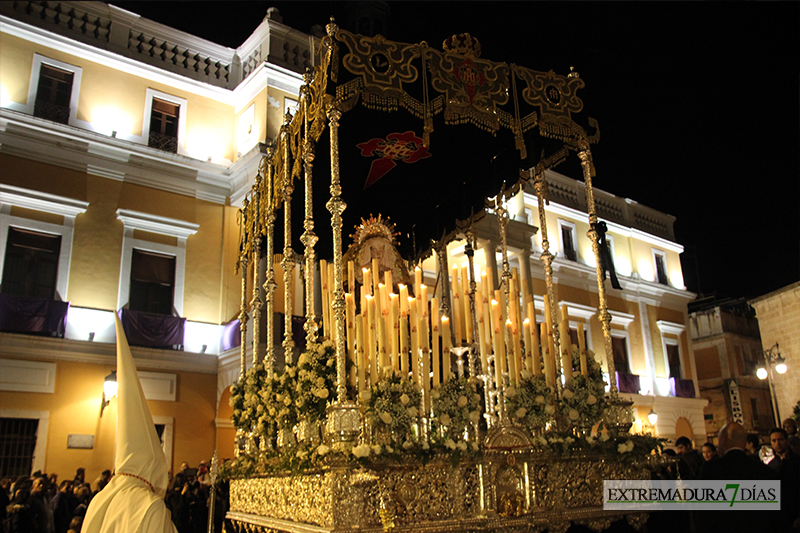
(446, 344)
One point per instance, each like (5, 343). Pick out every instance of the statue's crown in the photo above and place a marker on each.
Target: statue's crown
(463, 44)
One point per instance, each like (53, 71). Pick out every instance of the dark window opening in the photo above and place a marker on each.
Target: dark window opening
(573, 337)
(164, 126)
(152, 283)
(31, 264)
(661, 270)
(569, 243)
(17, 444)
(53, 94)
(674, 359)
(620, 349)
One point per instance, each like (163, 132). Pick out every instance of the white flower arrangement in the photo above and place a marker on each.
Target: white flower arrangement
(316, 378)
(456, 407)
(386, 409)
(530, 402)
(583, 398)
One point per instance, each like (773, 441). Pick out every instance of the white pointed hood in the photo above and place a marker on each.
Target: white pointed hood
(133, 501)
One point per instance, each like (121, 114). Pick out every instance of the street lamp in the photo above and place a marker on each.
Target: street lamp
(109, 390)
(773, 360)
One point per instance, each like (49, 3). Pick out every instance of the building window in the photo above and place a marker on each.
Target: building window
(164, 121)
(619, 346)
(152, 282)
(31, 264)
(661, 267)
(164, 118)
(674, 360)
(573, 337)
(17, 446)
(53, 94)
(568, 240)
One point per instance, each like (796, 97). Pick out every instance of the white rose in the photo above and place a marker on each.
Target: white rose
(521, 412)
(462, 401)
(279, 397)
(622, 447)
(445, 419)
(322, 449)
(568, 394)
(604, 437)
(435, 394)
(590, 439)
(629, 445)
(412, 411)
(328, 344)
(362, 450)
(476, 397)
(573, 414)
(511, 392)
(591, 400)
(539, 399)
(475, 417)
(408, 444)
(301, 454)
(450, 443)
(320, 382)
(426, 446)
(386, 417)
(549, 409)
(389, 449)
(376, 449)
(461, 445)
(365, 395)
(525, 374)
(404, 399)
(287, 401)
(569, 440)
(330, 362)
(475, 446)
(303, 359)
(291, 372)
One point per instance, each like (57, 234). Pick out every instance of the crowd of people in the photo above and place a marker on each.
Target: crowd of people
(40, 503)
(739, 456)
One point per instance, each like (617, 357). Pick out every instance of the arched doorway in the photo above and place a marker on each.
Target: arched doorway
(683, 428)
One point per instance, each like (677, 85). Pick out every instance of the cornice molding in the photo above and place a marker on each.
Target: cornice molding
(156, 224)
(40, 201)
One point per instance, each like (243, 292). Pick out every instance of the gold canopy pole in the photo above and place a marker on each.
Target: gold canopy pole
(256, 303)
(243, 306)
(288, 253)
(502, 217)
(540, 185)
(309, 239)
(337, 206)
(269, 283)
(605, 318)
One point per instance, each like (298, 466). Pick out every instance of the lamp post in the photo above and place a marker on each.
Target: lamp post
(109, 390)
(773, 362)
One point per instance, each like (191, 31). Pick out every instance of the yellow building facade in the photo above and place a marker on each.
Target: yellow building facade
(130, 144)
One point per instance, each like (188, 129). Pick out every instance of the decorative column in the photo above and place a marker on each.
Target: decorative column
(309, 239)
(469, 250)
(256, 303)
(243, 307)
(269, 284)
(502, 217)
(288, 254)
(604, 316)
(336, 206)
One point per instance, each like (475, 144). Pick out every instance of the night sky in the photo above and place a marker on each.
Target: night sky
(698, 105)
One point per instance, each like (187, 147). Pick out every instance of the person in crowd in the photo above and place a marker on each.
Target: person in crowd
(177, 501)
(786, 464)
(20, 517)
(690, 459)
(75, 525)
(202, 474)
(709, 451)
(790, 426)
(101, 481)
(5, 496)
(753, 445)
(40, 505)
(63, 506)
(733, 463)
(80, 476)
(83, 497)
(198, 508)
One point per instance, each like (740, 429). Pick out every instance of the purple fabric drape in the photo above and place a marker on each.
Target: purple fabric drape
(231, 335)
(19, 314)
(628, 383)
(684, 388)
(153, 331)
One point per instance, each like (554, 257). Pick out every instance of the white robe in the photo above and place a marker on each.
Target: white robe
(127, 505)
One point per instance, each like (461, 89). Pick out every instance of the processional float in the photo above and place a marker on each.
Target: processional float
(399, 411)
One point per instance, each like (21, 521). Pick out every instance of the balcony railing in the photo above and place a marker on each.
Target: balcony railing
(153, 331)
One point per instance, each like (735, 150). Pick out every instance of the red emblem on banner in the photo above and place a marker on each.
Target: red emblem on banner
(406, 147)
(467, 73)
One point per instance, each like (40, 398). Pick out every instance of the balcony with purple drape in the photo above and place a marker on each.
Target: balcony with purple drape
(34, 316)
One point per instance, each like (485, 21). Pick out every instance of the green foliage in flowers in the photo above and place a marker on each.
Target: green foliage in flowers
(245, 400)
(456, 406)
(393, 404)
(583, 398)
(316, 380)
(530, 402)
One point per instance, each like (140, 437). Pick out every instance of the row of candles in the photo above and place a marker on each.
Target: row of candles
(391, 326)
